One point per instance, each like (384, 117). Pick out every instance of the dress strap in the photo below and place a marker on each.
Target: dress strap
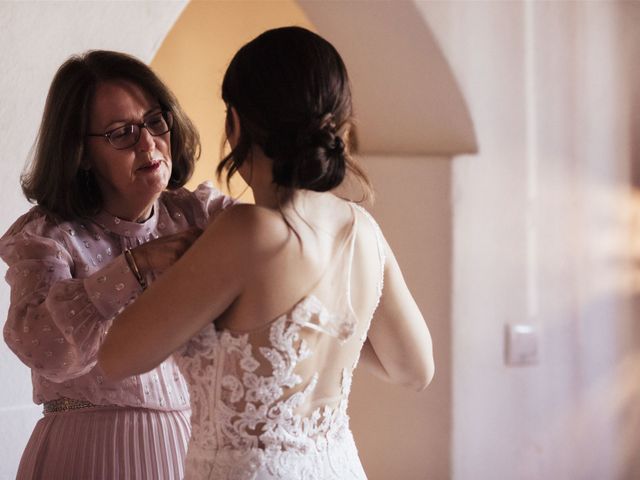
(380, 243)
(381, 259)
(352, 245)
(336, 318)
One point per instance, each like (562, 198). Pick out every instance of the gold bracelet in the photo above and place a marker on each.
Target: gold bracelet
(131, 261)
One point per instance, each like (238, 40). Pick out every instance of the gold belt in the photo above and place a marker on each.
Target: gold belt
(65, 404)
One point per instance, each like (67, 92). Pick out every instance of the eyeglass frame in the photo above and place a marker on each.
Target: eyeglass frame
(166, 114)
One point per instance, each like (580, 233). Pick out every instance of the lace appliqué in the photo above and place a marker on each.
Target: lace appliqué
(245, 424)
(311, 313)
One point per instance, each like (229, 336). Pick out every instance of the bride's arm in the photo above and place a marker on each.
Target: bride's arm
(197, 289)
(371, 362)
(398, 347)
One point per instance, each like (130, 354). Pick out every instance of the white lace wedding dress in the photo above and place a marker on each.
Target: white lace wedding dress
(271, 403)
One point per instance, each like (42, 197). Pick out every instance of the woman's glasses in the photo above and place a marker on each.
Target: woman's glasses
(128, 135)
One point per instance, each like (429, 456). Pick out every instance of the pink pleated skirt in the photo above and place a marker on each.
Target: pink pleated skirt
(106, 443)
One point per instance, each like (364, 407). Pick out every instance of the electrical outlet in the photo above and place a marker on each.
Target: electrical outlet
(521, 345)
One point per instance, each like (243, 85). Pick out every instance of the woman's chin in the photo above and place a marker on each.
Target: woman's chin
(156, 180)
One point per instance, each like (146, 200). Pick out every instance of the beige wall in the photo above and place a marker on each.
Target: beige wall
(544, 234)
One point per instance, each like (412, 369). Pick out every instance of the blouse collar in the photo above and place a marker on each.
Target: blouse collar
(127, 228)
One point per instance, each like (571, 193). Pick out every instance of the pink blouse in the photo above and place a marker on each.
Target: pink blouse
(69, 279)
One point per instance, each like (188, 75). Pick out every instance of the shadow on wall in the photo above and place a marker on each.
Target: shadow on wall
(406, 98)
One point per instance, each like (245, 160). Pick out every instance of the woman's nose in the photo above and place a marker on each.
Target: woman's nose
(146, 142)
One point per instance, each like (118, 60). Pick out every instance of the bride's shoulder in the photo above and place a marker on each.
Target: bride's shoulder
(249, 225)
(244, 215)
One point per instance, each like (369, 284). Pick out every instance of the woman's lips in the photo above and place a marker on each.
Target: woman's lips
(150, 167)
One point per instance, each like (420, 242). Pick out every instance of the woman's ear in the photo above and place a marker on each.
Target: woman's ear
(233, 126)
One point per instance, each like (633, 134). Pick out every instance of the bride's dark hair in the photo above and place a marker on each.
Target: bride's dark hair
(291, 91)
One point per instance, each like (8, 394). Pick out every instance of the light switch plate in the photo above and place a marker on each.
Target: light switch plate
(521, 345)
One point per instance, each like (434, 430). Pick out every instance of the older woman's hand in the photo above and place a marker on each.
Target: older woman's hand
(159, 254)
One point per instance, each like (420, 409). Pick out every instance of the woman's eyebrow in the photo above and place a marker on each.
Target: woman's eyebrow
(114, 123)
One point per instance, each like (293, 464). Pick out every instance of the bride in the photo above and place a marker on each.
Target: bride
(272, 308)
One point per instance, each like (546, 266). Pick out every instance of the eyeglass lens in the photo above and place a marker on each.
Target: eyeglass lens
(128, 135)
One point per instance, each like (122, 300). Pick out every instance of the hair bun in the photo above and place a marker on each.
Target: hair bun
(338, 146)
(312, 158)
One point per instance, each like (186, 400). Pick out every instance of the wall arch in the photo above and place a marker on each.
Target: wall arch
(406, 98)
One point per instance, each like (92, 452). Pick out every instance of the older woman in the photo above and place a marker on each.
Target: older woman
(113, 151)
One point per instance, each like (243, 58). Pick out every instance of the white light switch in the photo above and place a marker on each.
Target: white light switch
(521, 345)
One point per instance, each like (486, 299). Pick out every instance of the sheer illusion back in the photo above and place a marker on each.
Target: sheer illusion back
(271, 402)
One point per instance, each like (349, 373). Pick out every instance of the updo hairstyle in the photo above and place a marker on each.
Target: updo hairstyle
(291, 91)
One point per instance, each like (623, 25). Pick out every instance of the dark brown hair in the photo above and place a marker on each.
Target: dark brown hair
(54, 178)
(291, 91)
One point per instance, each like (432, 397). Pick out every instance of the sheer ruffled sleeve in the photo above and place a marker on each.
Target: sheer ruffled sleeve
(56, 322)
(199, 207)
(210, 201)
